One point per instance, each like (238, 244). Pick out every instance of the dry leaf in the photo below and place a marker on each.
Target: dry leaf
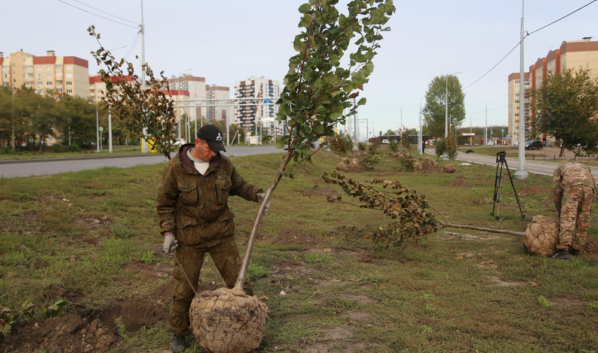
(534, 284)
(263, 297)
(459, 258)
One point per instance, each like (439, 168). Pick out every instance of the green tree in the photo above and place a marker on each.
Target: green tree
(435, 110)
(390, 132)
(6, 116)
(566, 107)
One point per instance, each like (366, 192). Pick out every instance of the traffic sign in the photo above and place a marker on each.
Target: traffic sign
(502, 130)
(101, 129)
(266, 100)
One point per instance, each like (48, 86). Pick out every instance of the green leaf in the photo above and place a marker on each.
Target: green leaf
(280, 143)
(319, 129)
(362, 101)
(305, 8)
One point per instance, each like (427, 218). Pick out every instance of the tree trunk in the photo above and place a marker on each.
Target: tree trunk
(41, 144)
(490, 230)
(562, 150)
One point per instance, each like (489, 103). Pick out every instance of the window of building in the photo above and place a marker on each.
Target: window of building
(517, 108)
(517, 88)
(6, 83)
(69, 75)
(516, 82)
(40, 83)
(49, 83)
(6, 75)
(517, 101)
(516, 114)
(516, 121)
(69, 83)
(29, 74)
(28, 67)
(49, 75)
(48, 67)
(58, 67)
(5, 68)
(40, 91)
(28, 83)
(38, 67)
(517, 95)
(91, 91)
(59, 74)
(39, 76)
(58, 90)
(58, 83)
(69, 67)
(69, 91)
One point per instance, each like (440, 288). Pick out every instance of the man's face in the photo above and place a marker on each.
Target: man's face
(204, 151)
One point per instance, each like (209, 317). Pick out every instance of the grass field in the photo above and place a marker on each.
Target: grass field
(49, 154)
(92, 237)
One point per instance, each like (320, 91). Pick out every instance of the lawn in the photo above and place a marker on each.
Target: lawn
(49, 154)
(92, 237)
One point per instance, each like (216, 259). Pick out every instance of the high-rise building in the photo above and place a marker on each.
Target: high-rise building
(97, 88)
(571, 55)
(196, 86)
(259, 89)
(59, 74)
(218, 113)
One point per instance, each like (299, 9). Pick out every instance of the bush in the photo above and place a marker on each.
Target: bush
(405, 139)
(406, 164)
(361, 146)
(7, 149)
(371, 162)
(451, 148)
(340, 144)
(374, 147)
(394, 146)
(440, 146)
(74, 148)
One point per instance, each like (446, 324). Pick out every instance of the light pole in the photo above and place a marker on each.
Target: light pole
(179, 94)
(521, 172)
(97, 126)
(421, 136)
(109, 130)
(13, 120)
(486, 128)
(145, 145)
(446, 110)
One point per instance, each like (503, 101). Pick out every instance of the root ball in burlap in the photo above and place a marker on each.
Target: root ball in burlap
(449, 168)
(346, 160)
(341, 167)
(541, 236)
(228, 321)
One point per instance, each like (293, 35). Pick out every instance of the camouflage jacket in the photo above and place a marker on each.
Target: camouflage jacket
(195, 207)
(570, 174)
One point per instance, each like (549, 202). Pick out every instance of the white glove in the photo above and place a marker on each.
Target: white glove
(170, 244)
(260, 198)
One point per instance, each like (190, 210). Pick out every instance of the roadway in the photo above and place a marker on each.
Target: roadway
(545, 168)
(35, 168)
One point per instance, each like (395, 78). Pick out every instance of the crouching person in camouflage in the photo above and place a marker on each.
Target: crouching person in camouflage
(573, 192)
(195, 219)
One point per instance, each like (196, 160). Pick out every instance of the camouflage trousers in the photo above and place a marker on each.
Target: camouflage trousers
(226, 257)
(575, 210)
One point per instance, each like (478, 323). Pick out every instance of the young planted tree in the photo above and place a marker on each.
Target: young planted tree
(139, 107)
(566, 107)
(451, 149)
(405, 139)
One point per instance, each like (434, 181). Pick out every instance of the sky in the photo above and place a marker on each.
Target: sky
(227, 41)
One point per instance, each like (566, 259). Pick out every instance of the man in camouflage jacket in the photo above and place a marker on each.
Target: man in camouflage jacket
(573, 189)
(192, 207)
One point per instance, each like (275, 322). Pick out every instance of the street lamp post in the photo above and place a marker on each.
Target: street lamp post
(97, 127)
(486, 128)
(446, 108)
(521, 172)
(421, 136)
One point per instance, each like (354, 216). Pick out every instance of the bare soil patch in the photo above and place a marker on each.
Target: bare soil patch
(358, 298)
(591, 247)
(296, 237)
(568, 302)
(321, 191)
(360, 316)
(532, 190)
(161, 271)
(134, 312)
(354, 168)
(163, 293)
(500, 283)
(66, 334)
(55, 291)
(460, 182)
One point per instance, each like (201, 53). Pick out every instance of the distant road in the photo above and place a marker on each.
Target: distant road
(45, 168)
(546, 168)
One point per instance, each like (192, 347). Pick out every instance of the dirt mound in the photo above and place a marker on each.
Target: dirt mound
(296, 237)
(591, 247)
(354, 168)
(532, 190)
(134, 313)
(459, 181)
(67, 334)
(55, 291)
(321, 191)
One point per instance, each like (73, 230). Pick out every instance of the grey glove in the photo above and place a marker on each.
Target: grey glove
(170, 244)
(260, 198)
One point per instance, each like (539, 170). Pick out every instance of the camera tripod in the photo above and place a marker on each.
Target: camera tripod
(501, 163)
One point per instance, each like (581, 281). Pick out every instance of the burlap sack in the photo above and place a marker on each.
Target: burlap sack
(341, 167)
(417, 166)
(347, 160)
(228, 321)
(541, 236)
(449, 168)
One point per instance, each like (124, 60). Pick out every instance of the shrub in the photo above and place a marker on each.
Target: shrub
(74, 148)
(394, 146)
(340, 144)
(371, 162)
(451, 147)
(257, 271)
(440, 146)
(405, 164)
(361, 146)
(56, 148)
(7, 149)
(405, 139)
(374, 147)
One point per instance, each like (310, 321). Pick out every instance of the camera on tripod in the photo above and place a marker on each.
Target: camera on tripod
(501, 162)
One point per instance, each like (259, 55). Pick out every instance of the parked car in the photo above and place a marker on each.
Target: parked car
(179, 142)
(534, 145)
(385, 142)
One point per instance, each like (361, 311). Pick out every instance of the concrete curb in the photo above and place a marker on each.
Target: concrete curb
(78, 158)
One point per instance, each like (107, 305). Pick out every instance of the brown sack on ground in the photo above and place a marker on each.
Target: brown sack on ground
(347, 160)
(417, 166)
(541, 236)
(449, 168)
(341, 167)
(228, 321)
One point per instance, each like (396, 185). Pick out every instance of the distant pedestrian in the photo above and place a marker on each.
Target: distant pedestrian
(573, 189)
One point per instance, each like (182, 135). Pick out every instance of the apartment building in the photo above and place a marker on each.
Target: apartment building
(58, 74)
(259, 89)
(196, 87)
(97, 88)
(217, 113)
(571, 55)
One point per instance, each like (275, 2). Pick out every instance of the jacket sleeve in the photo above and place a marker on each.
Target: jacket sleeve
(557, 191)
(168, 195)
(242, 188)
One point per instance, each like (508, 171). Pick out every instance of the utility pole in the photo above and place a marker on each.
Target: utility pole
(401, 118)
(13, 120)
(145, 148)
(486, 128)
(97, 128)
(109, 130)
(421, 136)
(521, 172)
(355, 123)
(470, 137)
(446, 110)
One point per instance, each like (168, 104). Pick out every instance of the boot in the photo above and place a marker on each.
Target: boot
(574, 252)
(561, 254)
(178, 344)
